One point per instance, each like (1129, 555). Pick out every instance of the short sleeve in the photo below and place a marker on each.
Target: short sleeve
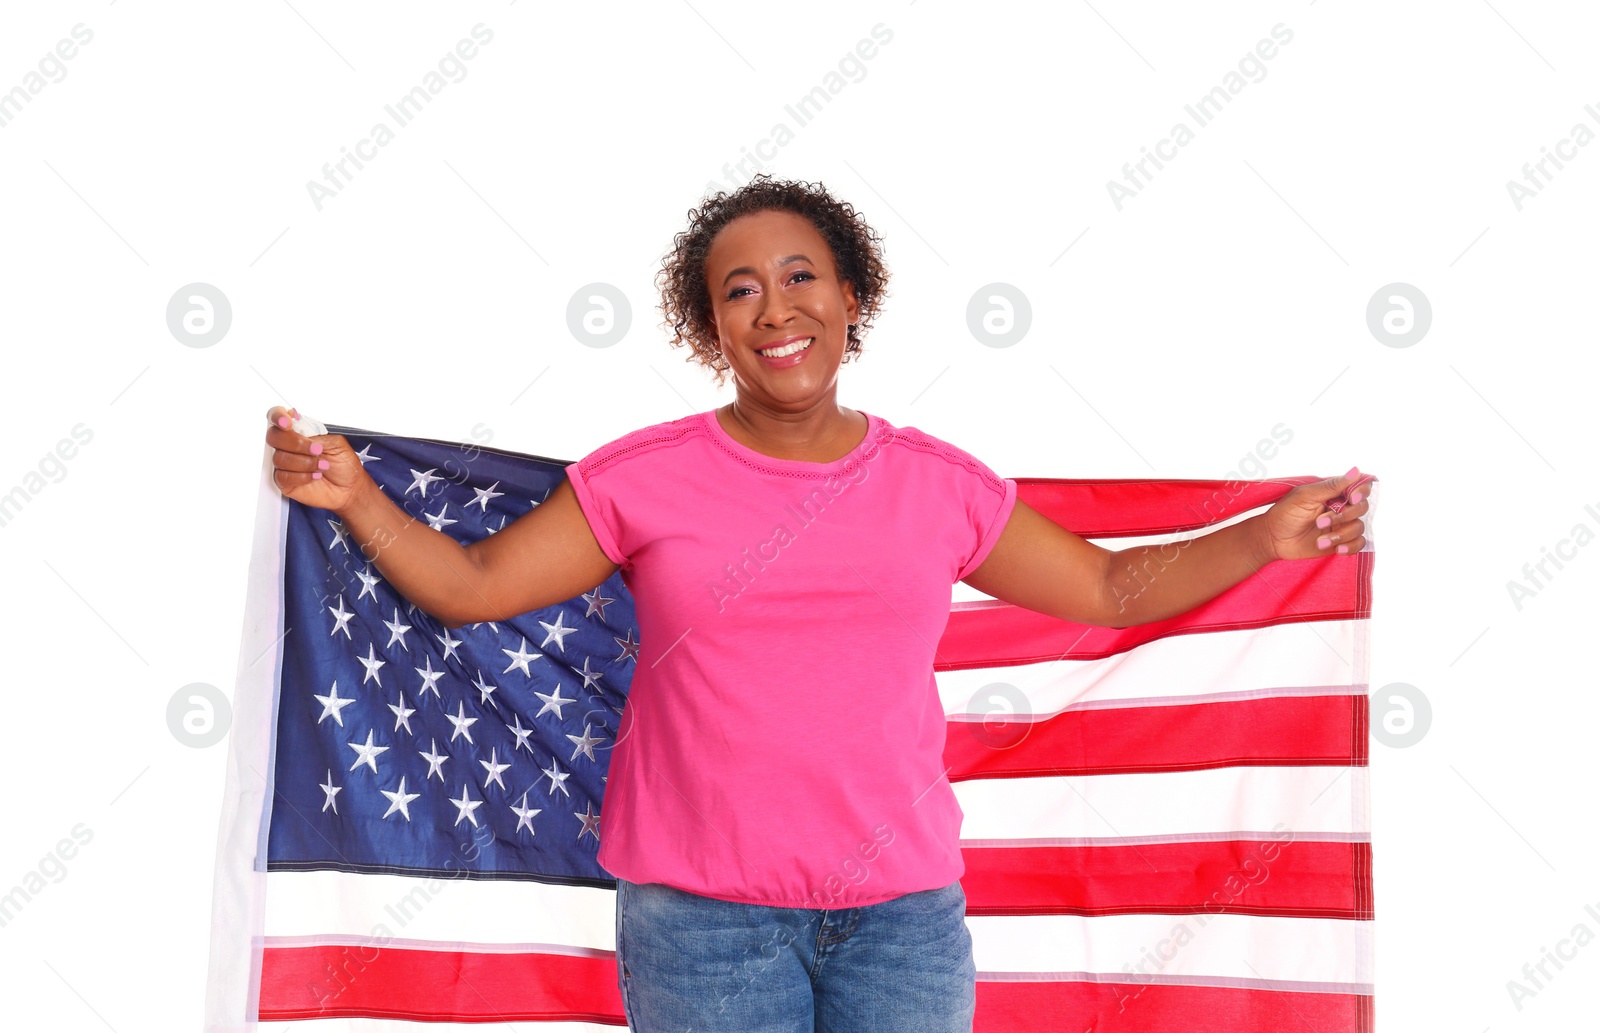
(989, 509)
(598, 508)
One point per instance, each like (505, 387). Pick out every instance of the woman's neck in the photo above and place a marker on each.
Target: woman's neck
(821, 434)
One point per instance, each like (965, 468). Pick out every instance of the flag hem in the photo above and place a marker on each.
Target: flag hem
(238, 902)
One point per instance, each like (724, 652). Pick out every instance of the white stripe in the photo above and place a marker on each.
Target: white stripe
(1310, 799)
(1312, 950)
(1172, 947)
(1138, 540)
(1187, 667)
(444, 910)
(498, 917)
(237, 888)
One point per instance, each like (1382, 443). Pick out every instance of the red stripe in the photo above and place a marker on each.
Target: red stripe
(1319, 730)
(333, 980)
(439, 986)
(1053, 1007)
(1132, 507)
(1361, 873)
(990, 633)
(1287, 878)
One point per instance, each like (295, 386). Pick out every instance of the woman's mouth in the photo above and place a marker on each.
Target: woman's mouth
(788, 354)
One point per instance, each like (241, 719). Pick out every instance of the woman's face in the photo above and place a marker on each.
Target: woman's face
(772, 280)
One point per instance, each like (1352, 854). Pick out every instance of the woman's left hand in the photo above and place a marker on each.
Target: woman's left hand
(1302, 526)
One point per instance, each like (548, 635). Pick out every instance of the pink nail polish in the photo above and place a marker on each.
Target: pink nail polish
(1324, 521)
(1323, 543)
(1356, 497)
(283, 421)
(322, 464)
(316, 475)
(1343, 549)
(316, 448)
(1351, 472)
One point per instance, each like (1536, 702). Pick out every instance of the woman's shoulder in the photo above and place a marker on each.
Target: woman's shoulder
(643, 441)
(936, 449)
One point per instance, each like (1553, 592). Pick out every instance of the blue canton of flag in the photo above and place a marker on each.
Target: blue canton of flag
(406, 747)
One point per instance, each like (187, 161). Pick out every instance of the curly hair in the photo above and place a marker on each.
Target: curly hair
(686, 299)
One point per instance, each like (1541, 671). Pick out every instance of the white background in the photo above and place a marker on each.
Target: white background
(1228, 296)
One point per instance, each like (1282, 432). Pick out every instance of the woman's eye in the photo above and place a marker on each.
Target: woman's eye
(735, 292)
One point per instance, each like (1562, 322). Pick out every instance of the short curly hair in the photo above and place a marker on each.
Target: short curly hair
(686, 299)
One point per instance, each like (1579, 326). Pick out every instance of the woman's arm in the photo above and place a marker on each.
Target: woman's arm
(544, 557)
(1042, 566)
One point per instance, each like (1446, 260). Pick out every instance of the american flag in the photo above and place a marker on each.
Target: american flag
(1166, 826)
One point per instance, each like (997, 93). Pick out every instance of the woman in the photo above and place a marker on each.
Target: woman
(776, 813)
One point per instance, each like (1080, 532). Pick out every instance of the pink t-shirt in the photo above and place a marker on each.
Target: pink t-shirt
(783, 739)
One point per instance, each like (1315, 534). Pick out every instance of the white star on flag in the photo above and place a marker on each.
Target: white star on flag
(399, 800)
(421, 480)
(483, 495)
(520, 658)
(467, 807)
(332, 705)
(366, 754)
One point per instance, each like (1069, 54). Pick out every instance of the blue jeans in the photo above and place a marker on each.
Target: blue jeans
(693, 964)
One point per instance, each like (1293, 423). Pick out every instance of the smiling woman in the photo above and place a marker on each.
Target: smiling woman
(838, 234)
(766, 739)
(777, 284)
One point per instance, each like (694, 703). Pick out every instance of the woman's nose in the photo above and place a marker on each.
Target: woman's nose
(774, 309)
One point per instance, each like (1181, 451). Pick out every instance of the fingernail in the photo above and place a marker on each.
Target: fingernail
(283, 421)
(1323, 543)
(316, 448)
(1355, 497)
(316, 475)
(1343, 549)
(295, 413)
(1324, 521)
(322, 464)
(1351, 472)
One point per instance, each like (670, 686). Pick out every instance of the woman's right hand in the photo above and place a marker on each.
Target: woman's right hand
(321, 471)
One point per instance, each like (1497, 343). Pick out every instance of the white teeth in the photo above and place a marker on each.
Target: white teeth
(778, 353)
